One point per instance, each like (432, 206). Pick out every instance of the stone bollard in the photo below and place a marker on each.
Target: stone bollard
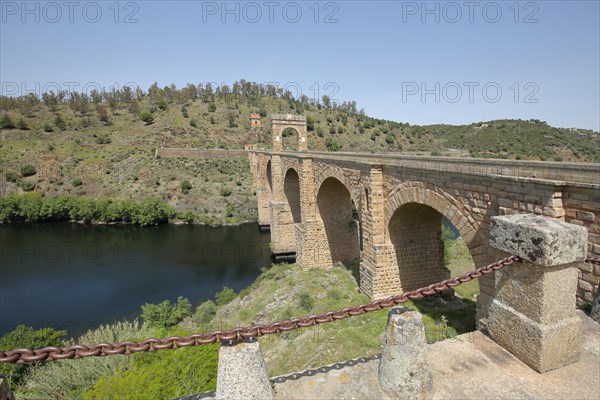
(242, 373)
(533, 313)
(404, 372)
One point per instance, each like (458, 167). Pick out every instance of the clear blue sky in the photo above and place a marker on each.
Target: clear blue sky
(382, 54)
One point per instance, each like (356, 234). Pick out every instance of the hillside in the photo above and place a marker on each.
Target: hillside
(102, 144)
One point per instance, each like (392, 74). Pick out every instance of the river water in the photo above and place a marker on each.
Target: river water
(75, 277)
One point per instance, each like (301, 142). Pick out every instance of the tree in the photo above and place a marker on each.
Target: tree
(147, 117)
(231, 116)
(212, 107)
(165, 314)
(326, 101)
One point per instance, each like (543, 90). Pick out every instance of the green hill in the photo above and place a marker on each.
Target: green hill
(103, 144)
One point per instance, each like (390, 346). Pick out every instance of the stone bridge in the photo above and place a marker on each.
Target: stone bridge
(385, 211)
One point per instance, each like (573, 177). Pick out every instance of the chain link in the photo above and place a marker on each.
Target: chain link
(21, 356)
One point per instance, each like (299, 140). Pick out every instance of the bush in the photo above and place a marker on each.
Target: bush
(22, 125)
(186, 186)
(225, 296)
(205, 312)
(27, 186)
(103, 139)
(332, 145)
(225, 192)
(163, 374)
(11, 177)
(28, 170)
(60, 123)
(6, 122)
(212, 107)
(48, 128)
(306, 302)
(147, 117)
(193, 123)
(77, 182)
(187, 217)
(166, 315)
(26, 337)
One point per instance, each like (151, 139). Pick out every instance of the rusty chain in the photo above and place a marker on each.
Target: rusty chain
(22, 356)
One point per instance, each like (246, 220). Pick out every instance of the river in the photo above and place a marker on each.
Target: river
(75, 277)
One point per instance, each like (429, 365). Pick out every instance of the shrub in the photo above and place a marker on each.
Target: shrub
(187, 217)
(47, 127)
(77, 182)
(225, 296)
(147, 117)
(6, 122)
(27, 186)
(60, 123)
(212, 107)
(193, 123)
(50, 147)
(332, 145)
(103, 139)
(26, 337)
(205, 312)
(166, 315)
(11, 177)
(306, 302)
(161, 375)
(225, 192)
(186, 186)
(28, 170)
(22, 125)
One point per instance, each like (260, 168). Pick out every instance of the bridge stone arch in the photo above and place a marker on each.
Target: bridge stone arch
(264, 189)
(281, 122)
(354, 189)
(338, 233)
(291, 191)
(413, 218)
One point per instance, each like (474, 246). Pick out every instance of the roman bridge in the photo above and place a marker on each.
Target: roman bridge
(385, 211)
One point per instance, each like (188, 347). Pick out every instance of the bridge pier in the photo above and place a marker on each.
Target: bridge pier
(283, 232)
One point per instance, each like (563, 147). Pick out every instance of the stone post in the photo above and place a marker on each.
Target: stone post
(533, 312)
(404, 372)
(242, 373)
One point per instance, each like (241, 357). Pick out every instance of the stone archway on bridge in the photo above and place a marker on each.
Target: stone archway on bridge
(339, 232)
(291, 190)
(282, 122)
(414, 216)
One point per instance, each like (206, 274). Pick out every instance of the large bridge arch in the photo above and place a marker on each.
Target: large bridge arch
(339, 232)
(413, 218)
(339, 174)
(291, 191)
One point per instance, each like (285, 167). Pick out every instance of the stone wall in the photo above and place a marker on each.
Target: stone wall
(199, 153)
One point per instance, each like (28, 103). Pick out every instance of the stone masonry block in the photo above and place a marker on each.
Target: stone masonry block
(541, 346)
(537, 239)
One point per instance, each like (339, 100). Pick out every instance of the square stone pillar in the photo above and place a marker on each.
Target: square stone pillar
(533, 312)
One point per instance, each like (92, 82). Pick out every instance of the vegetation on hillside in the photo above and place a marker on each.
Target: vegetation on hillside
(102, 144)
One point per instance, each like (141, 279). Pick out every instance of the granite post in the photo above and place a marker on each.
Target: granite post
(533, 312)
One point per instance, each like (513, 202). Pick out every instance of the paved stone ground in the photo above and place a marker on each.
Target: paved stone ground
(470, 366)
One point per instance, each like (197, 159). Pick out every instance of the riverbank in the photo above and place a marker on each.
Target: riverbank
(35, 207)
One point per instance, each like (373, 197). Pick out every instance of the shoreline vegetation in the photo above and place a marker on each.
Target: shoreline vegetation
(34, 207)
